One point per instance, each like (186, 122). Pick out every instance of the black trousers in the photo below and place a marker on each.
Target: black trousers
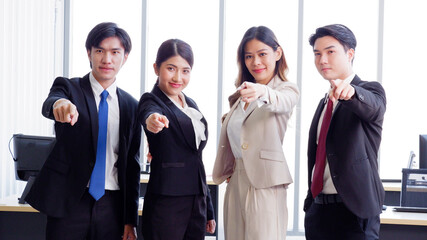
(174, 217)
(90, 220)
(335, 222)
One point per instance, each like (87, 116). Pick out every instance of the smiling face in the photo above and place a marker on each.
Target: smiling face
(174, 76)
(260, 60)
(331, 59)
(106, 60)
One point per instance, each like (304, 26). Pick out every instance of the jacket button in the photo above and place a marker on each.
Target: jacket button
(244, 146)
(91, 164)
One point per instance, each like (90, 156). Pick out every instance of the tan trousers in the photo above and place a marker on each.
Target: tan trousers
(253, 214)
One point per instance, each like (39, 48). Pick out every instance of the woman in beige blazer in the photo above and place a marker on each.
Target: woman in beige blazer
(250, 154)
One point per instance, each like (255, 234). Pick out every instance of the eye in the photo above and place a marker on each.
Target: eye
(98, 51)
(170, 69)
(186, 71)
(248, 56)
(262, 54)
(316, 54)
(331, 51)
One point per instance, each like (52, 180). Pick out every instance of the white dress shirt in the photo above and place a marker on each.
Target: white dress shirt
(111, 178)
(195, 116)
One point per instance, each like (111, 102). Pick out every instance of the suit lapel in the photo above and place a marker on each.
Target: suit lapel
(123, 118)
(91, 105)
(183, 121)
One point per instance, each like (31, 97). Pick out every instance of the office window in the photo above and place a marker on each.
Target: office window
(404, 82)
(30, 34)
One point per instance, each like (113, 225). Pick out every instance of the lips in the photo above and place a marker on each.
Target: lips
(175, 85)
(105, 69)
(259, 70)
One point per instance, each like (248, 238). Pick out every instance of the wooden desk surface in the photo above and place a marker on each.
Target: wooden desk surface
(389, 216)
(10, 204)
(392, 186)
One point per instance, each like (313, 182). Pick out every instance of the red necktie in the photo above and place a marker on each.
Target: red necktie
(317, 183)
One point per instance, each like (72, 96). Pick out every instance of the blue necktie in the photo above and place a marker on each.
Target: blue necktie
(97, 180)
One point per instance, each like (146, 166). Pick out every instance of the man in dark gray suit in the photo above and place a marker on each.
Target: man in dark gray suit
(345, 195)
(89, 185)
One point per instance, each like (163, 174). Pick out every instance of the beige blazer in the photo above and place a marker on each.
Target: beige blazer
(261, 139)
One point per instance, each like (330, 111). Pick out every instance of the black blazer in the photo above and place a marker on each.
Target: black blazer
(352, 144)
(176, 168)
(66, 173)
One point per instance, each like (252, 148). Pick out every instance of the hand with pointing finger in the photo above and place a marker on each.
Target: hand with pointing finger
(251, 91)
(341, 90)
(65, 111)
(156, 122)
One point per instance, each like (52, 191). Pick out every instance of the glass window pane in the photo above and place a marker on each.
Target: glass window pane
(403, 66)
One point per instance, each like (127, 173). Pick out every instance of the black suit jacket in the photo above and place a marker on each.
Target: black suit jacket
(352, 144)
(176, 168)
(66, 173)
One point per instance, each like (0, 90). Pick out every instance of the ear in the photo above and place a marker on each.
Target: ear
(156, 70)
(350, 54)
(278, 53)
(88, 54)
(125, 58)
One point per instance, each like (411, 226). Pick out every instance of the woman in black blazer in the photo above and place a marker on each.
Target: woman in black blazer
(177, 204)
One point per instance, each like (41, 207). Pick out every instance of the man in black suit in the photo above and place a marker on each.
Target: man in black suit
(345, 193)
(64, 189)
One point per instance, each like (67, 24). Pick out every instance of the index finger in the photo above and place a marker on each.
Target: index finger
(164, 120)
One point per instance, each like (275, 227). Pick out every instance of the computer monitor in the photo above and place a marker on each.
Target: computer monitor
(423, 151)
(29, 155)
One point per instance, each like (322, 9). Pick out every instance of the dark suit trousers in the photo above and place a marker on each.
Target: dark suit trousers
(335, 222)
(174, 217)
(89, 220)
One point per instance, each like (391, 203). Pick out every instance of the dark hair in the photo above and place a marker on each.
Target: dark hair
(174, 47)
(105, 30)
(265, 35)
(338, 31)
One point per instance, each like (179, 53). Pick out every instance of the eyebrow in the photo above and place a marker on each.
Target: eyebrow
(326, 48)
(261, 50)
(170, 64)
(114, 49)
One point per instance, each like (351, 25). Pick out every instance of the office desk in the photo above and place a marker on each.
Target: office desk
(22, 222)
(403, 225)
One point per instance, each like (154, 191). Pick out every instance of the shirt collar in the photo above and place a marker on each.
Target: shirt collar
(98, 89)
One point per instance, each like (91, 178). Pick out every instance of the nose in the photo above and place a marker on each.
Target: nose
(323, 59)
(177, 76)
(256, 60)
(106, 58)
